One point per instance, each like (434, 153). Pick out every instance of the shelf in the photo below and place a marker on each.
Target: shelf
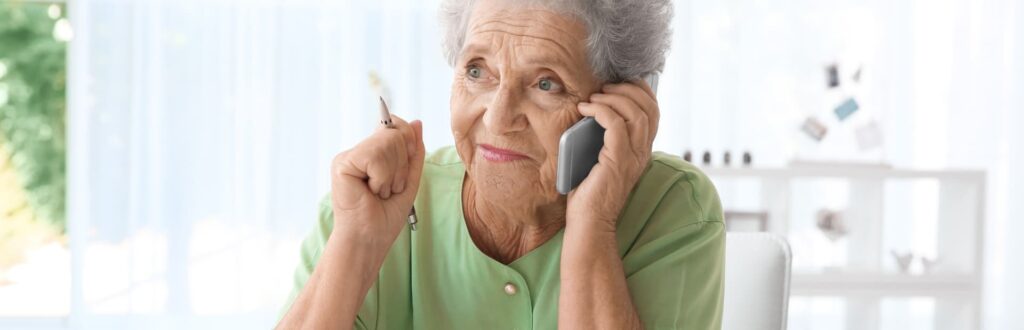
(839, 171)
(883, 284)
(949, 209)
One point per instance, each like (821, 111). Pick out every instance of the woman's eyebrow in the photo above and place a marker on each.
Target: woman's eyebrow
(478, 48)
(565, 70)
(544, 60)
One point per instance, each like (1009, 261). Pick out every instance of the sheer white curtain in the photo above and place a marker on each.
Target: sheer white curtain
(201, 132)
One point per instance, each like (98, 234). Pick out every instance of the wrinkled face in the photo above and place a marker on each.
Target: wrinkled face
(517, 81)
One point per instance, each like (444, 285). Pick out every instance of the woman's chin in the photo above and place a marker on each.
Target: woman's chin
(510, 185)
(502, 181)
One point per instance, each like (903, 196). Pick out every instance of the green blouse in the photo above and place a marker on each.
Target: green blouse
(671, 238)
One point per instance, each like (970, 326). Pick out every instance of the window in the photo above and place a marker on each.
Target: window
(34, 259)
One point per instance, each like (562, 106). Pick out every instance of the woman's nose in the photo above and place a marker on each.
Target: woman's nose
(504, 114)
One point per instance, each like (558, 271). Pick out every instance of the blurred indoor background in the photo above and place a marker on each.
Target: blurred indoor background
(161, 160)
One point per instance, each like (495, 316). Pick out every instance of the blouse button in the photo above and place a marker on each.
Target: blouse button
(510, 289)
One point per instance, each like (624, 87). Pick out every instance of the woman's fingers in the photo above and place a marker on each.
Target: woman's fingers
(629, 114)
(374, 184)
(644, 86)
(409, 148)
(640, 94)
(383, 160)
(415, 168)
(407, 132)
(616, 135)
(380, 159)
(635, 117)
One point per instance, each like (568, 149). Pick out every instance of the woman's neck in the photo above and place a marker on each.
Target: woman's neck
(508, 230)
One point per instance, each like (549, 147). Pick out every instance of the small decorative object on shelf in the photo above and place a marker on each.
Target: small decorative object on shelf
(832, 75)
(903, 260)
(928, 264)
(688, 157)
(726, 159)
(869, 136)
(814, 128)
(747, 159)
(706, 158)
(847, 108)
(831, 224)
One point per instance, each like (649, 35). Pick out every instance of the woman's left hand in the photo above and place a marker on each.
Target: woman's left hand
(629, 114)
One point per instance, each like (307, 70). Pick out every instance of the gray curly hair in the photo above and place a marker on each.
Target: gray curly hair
(627, 39)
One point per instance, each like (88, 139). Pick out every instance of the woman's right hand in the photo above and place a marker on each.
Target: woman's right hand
(374, 184)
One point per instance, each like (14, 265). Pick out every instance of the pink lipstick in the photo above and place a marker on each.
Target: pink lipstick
(495, 154)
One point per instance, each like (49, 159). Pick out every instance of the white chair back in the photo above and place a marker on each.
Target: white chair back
(757, 274)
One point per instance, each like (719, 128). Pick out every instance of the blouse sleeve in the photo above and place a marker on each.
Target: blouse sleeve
(674, 268)
(309, 253)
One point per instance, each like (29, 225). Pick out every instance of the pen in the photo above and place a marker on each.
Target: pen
(385, 120)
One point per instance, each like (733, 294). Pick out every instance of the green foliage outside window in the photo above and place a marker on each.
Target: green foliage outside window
(32, 105)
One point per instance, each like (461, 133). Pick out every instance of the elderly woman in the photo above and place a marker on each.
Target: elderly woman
(638, 244)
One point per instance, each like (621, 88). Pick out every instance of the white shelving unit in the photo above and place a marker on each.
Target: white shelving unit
(883, 209)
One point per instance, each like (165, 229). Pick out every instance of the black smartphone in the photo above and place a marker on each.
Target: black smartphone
(579, 147)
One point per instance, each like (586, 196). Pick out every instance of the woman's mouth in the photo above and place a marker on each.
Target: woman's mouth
(495, 154)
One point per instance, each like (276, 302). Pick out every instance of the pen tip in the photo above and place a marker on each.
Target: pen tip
(383, 105)
(385, 115)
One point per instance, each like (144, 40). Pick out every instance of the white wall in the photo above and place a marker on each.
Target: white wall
(944, 77)
(1009, 255)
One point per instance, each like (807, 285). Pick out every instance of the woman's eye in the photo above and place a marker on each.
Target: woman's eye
(474, 72)
(546, 84)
